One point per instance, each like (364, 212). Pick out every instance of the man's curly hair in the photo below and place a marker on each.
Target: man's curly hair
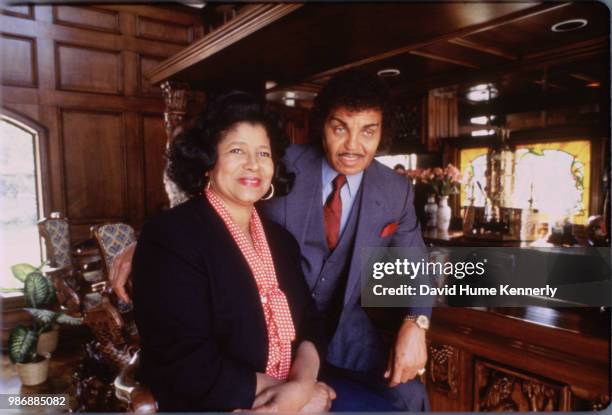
(356, 91)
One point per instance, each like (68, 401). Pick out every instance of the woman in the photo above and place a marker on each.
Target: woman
(224, 313)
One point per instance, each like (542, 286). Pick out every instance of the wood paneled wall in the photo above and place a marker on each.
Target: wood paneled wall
(78, 71)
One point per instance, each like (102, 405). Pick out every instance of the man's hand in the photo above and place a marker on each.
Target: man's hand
(408, 355)
(120, 272)
(321, 399)
(289, 396)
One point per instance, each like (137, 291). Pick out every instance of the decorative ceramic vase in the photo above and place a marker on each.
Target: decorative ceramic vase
(33, 373)
(444, 214)
(47, 342)
(431, 211)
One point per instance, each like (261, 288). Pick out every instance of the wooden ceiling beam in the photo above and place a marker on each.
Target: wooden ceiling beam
(443, 59)
(247, 22)
(597, 47)
(492, 24)
(491, 50)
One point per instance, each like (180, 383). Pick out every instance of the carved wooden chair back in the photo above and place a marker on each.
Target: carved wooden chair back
(55, 231)
(112, 239)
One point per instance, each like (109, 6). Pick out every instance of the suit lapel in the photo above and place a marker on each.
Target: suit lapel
(307, 186)
(370, 222)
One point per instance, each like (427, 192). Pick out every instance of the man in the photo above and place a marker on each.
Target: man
(343, 200)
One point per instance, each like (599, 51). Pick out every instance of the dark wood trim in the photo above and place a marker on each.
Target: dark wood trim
(443, 59)
(29, 15)
(598, 147)
(58, 70)
(140, 74)
(33, 60)
(58, 21)
(492, 24)
(247, 22)
(491, 50)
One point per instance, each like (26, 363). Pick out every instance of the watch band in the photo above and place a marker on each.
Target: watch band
(422, 321)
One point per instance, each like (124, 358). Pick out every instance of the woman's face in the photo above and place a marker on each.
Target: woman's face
(244, 168)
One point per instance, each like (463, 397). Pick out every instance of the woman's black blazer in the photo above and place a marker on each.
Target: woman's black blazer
(202, 328)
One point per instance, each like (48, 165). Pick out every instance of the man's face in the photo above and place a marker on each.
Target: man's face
(351, 138)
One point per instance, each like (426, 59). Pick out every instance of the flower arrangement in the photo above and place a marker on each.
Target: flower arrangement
(444, 181)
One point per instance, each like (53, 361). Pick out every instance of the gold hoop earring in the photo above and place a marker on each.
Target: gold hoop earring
(271, 193)
(207, 184)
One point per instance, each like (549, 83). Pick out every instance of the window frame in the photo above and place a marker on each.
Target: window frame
(43, 177)
(597, 136)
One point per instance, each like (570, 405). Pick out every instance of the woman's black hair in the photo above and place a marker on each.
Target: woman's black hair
(194, 152)
(354, 90)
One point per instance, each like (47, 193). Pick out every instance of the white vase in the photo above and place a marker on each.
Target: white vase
(444, 214)
(431, 211)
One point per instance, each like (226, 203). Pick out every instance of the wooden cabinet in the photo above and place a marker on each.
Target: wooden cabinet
(529, 359)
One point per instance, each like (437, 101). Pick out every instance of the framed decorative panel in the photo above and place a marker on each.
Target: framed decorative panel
(163, 31)
(19, 63)
(94, 165)
(88, 69)
(87, 18)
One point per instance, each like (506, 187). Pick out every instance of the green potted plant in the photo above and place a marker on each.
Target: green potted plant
(30, 347)
(31, 367)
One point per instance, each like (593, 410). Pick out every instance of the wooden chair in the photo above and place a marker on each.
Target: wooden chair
(113, 326)
(112, 239)
(80, 264)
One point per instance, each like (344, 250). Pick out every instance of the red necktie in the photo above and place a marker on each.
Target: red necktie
(332, 212)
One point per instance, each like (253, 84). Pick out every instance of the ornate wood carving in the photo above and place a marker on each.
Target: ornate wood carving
(500, 389)
(443, 371)
(176, 97)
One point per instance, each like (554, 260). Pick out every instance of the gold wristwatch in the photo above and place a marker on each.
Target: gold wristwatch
(421, 320)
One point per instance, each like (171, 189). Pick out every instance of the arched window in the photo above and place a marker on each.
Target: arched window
(21, 201)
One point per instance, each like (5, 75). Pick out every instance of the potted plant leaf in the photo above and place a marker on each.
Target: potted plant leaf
(31, 367)
(30, 347)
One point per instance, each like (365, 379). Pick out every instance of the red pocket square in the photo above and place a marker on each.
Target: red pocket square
(389, 229)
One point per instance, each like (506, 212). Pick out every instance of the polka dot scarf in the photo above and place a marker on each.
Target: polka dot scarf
(281, 331)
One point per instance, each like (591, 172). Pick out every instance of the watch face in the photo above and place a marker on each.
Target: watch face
(423, 322)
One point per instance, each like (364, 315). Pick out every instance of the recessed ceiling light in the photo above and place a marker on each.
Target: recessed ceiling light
(482, 133)
(388, 73)
(482, 120)
(569, 25)
(271, 84)
(482, 92)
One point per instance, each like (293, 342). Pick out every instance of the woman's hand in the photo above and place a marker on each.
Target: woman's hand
(321, 399)
(290, 396)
